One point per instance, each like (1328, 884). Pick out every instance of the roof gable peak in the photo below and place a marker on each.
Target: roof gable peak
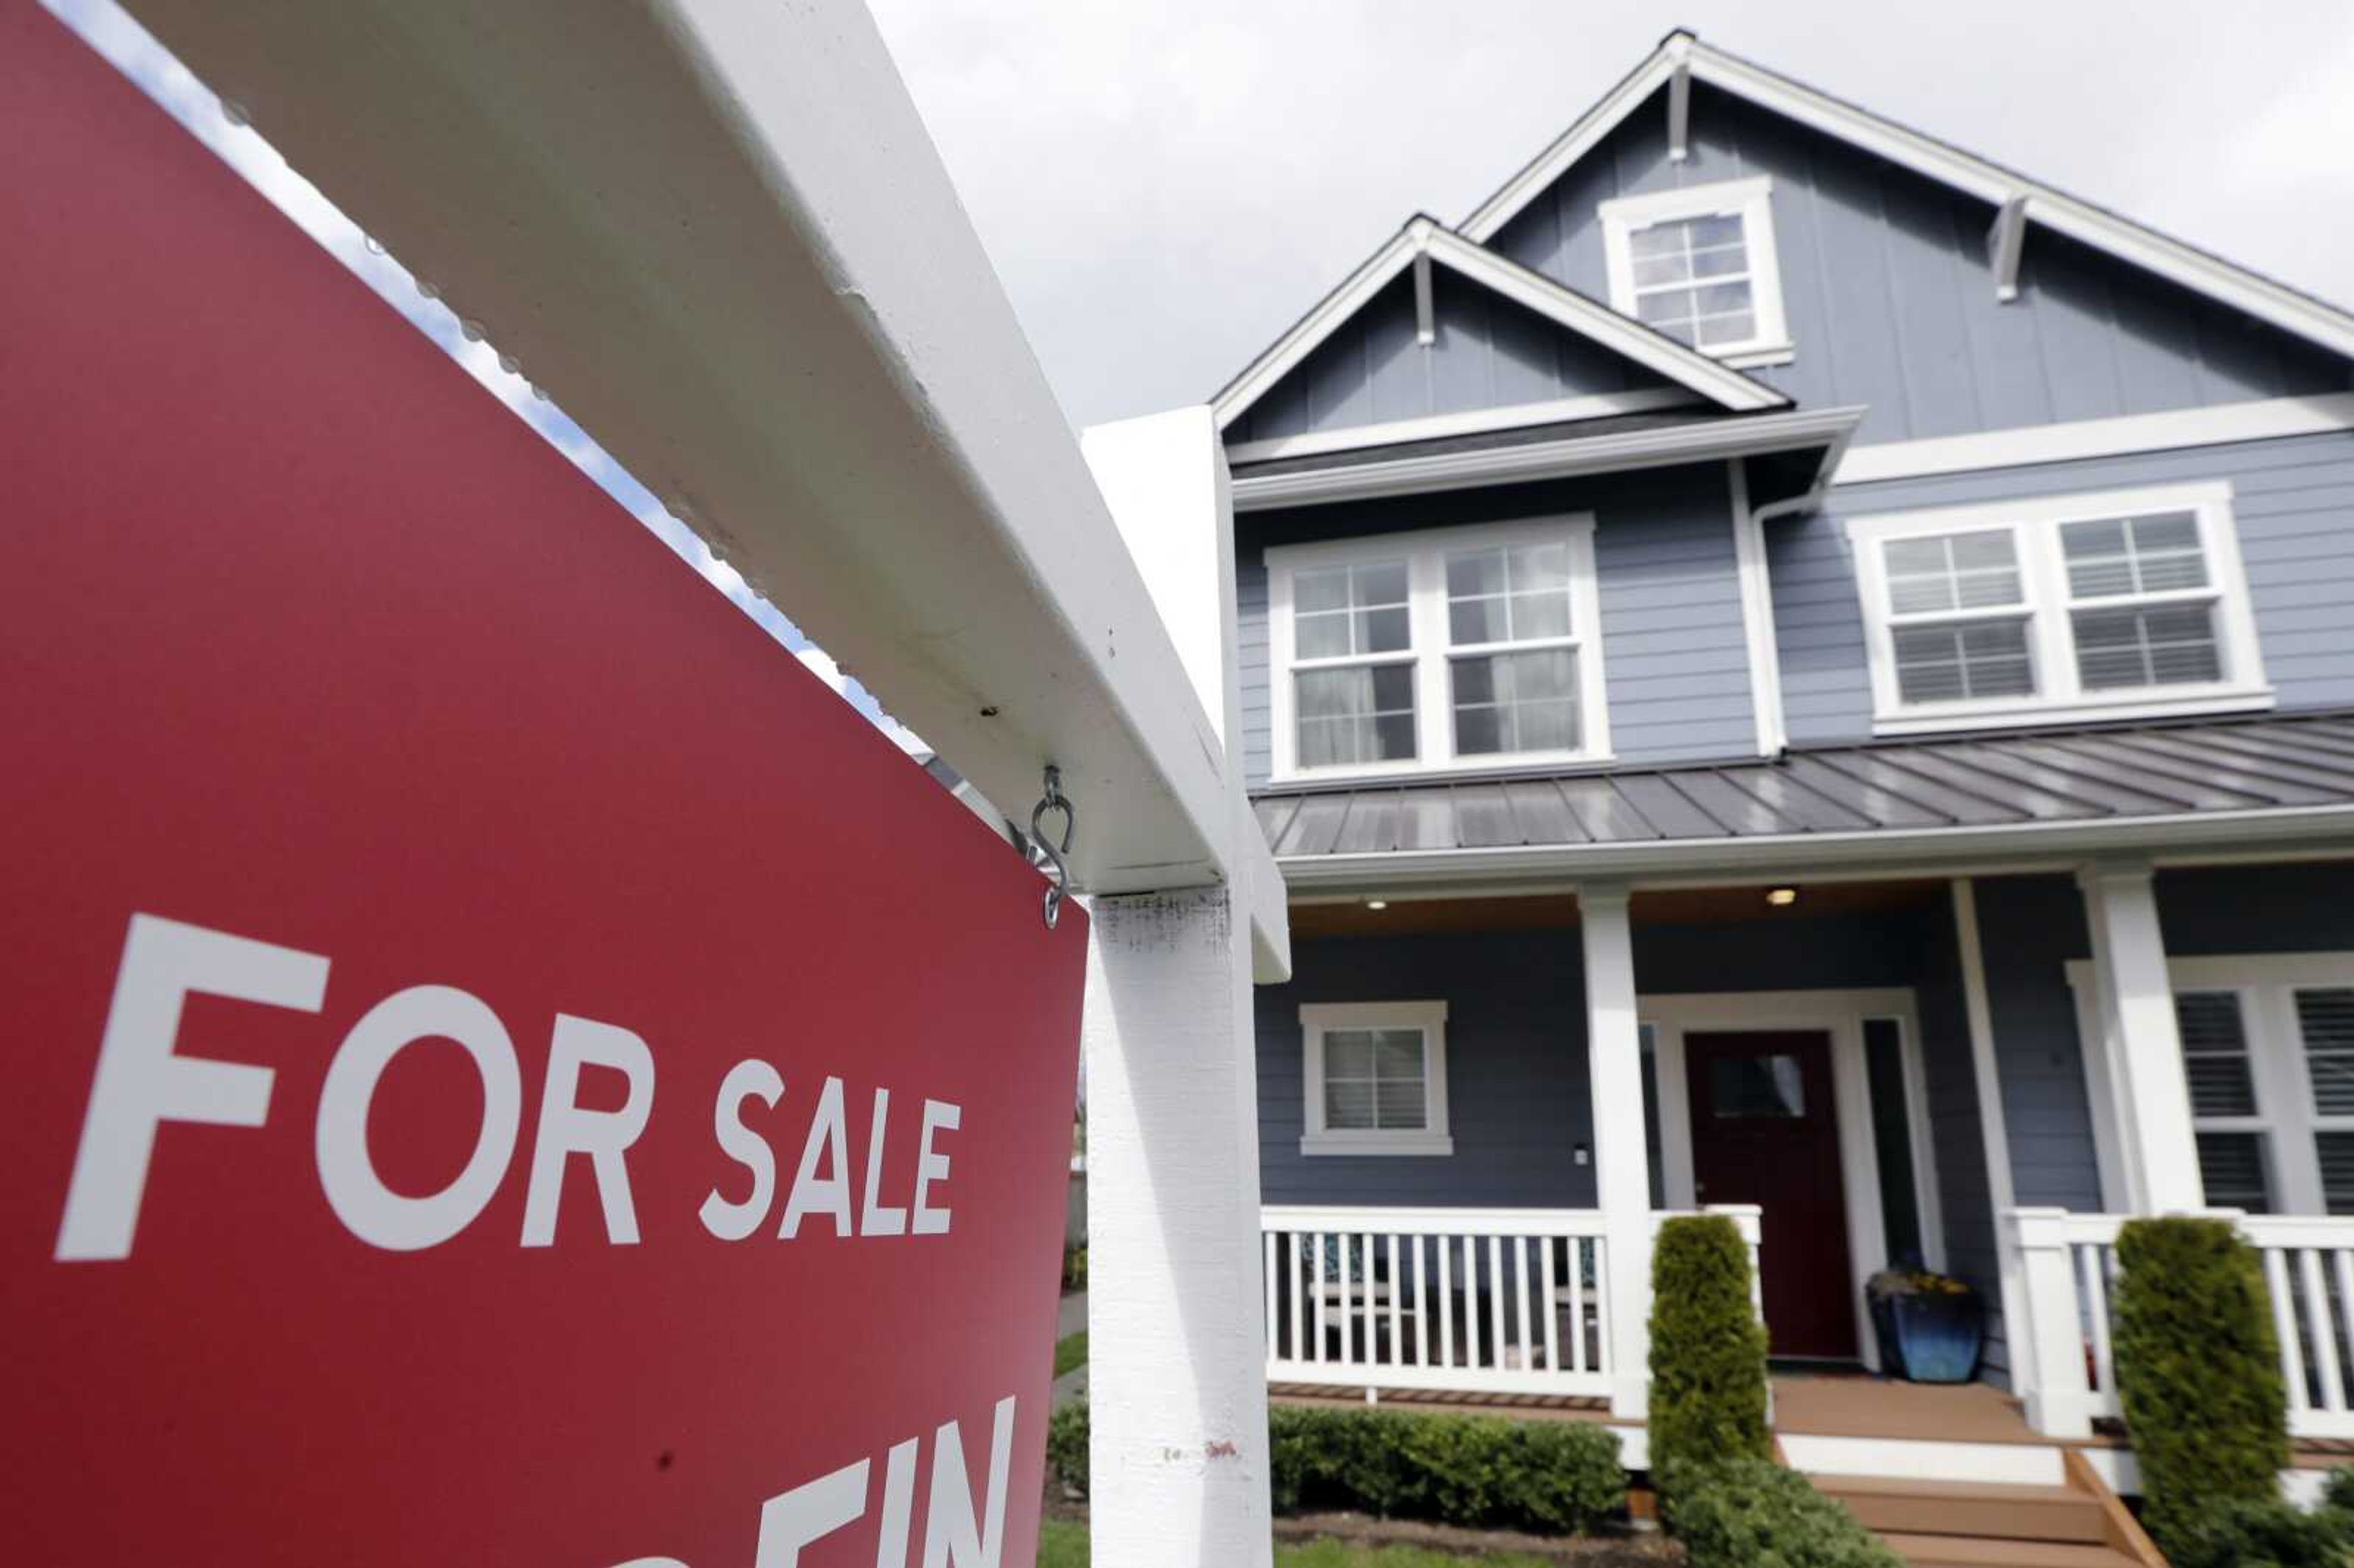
(2022, 202)
(1423, 241)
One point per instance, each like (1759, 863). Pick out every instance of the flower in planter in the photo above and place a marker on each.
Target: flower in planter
(1890, 1283)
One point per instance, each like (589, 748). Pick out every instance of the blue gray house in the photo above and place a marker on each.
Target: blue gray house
(1789, 667)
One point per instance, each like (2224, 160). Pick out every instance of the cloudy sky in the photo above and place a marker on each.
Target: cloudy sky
(1165, 186)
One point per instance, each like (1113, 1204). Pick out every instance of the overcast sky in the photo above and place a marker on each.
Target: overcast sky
(1165, 186)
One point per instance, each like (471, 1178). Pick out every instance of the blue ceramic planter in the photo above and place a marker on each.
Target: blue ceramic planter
(1930, 1339)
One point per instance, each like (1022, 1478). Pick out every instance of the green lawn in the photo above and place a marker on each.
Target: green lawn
(1065, 1545)
(1071, 1351)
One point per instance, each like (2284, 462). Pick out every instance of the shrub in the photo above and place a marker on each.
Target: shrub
(2337, 1490)
(1074, 1268)
(1708, 1350)
(1067, 1447)
(2199, 1370)
(1555, 1476)
(1752, 1513)
(2272, 1533)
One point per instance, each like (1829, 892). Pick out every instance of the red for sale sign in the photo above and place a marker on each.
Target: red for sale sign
(504, 1067)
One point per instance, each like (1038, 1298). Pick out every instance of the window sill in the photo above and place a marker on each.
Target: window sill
(2016, 715)
(1758, 357)
(1521, 763)
(1376, 1144)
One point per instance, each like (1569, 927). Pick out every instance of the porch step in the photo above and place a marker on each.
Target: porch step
(1987, 1510)
(1979, 1552)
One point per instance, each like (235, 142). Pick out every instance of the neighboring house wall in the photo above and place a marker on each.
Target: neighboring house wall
(1489, 354)
(1890, 300)
(1673, 646)
(2293, 500)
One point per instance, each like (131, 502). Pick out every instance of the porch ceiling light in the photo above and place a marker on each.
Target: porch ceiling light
(1377, 903)
(1781, 897)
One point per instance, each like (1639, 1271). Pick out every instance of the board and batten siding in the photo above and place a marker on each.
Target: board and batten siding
(2293, 500)
(1486, 352)
(1674, 653)
(1889, 299)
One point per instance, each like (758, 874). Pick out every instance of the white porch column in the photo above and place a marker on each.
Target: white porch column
(1177, 1375)
(1622, 1177)
(2145, 1051)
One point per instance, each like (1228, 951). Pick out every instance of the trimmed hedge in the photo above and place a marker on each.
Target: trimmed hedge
(1753, 1514)
(1707, 1350)
(2199, 1370)
(1555, 1477)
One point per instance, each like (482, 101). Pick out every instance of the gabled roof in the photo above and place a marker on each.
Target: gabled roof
(2316, 321)
(1425, 239)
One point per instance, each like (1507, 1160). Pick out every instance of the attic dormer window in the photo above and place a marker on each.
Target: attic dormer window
(1698, 265)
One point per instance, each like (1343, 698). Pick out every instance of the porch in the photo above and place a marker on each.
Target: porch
(1983, 1074)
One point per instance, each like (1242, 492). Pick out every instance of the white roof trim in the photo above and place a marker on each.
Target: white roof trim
(1590, 319)
(2292, 312)
(1660, 448)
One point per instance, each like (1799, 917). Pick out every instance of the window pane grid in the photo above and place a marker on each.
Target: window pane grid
(1516, 702)
(1957, 661)
(1692, 280)
(2133, 555)
(1373, 1081)
(2234, 1168)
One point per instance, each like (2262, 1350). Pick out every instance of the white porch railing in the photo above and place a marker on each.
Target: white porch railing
(1476, 1300)
(2067, 1275)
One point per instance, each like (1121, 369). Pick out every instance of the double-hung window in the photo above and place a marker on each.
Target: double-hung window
(2268, 1055)
(2116, 605)
(1698, 264)
(1464, 647)
(1376, 1079)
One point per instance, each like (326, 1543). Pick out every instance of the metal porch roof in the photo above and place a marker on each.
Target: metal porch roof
(2081, 775)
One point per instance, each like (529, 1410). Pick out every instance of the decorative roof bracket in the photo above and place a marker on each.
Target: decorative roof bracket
(2004, 241)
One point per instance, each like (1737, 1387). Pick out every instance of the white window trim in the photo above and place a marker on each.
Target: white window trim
(1751, 200)
(1424, 551)
(1317, 1019)
(2034, 525)
(2266, 984)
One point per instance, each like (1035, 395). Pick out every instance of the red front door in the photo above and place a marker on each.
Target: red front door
(1765, 1130)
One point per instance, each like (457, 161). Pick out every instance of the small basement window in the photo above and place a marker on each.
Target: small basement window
(1374, 1079)
(1698, 264)
(2122, 605)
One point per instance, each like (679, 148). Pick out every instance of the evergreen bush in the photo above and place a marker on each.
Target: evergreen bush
(1753, 1514)
(1559, 1477)
(2199, 1370)
(1067, 1447)
(2272, 1533)
(1707, 1350)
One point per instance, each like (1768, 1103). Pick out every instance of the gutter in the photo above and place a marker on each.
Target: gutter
(1886, 851)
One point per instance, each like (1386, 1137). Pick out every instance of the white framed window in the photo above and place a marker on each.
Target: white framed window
(1461, 649)
(1698, 265)
(2118, 605)
(1375, 1077)
(2268, 1051)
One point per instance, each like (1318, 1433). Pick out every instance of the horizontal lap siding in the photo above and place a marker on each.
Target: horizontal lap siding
(1674, 652)
(1889, 299)
(2293, 501)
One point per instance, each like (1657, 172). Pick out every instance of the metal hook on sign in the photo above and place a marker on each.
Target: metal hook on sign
(1054, 800)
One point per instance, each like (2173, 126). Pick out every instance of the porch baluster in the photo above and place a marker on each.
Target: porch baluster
(1421, 1303)
(1495, 1302)
(2285, 1328)
(2324, 1331)
(1297, 1348)
(1397, 1305)
(1447, 1301)
(1551, 1326)
(1317, 1284)
(1577, 1301)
